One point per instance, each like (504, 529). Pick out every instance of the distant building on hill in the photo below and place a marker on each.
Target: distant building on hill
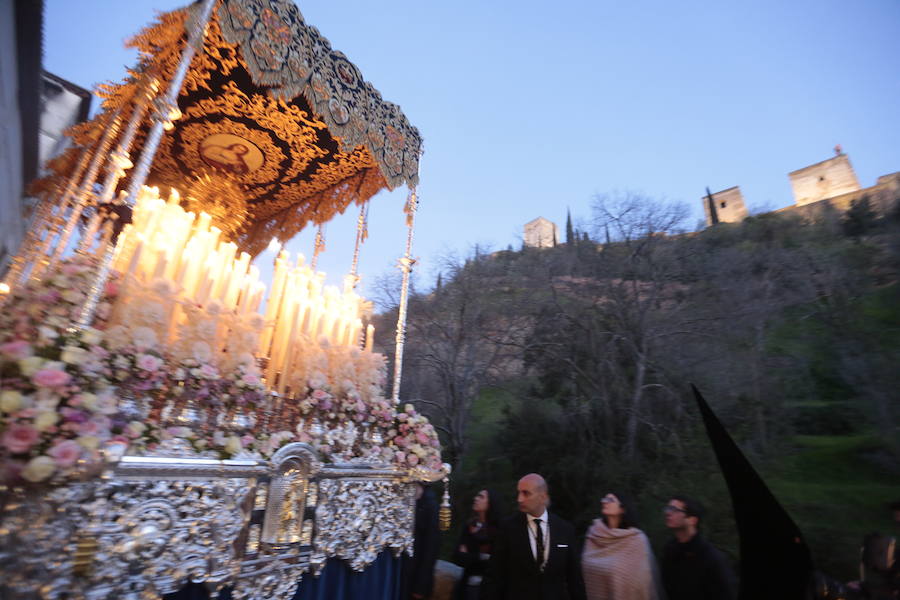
(831, 183)
(726, 206)
(541, 233)
(827, 179)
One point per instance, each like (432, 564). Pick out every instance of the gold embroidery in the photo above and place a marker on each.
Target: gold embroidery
(271, 113)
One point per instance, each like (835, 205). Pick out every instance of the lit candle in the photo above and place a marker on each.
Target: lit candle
(204, 291)
(355, 330)
(274, 303)
(136, 256)
(162, 261)
(370, 337)
(203, 222)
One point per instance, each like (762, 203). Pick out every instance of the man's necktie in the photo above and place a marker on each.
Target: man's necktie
(539, 539)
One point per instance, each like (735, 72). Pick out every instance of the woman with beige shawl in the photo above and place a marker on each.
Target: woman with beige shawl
(617, 561)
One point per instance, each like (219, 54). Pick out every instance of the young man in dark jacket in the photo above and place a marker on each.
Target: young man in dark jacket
(692, 568)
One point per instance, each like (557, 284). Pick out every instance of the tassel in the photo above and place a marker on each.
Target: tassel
(444, 515)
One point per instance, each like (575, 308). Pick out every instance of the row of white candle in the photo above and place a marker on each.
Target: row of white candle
(164, 242)
(300, 313)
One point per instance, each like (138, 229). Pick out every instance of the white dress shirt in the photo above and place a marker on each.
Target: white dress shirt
(532, 533)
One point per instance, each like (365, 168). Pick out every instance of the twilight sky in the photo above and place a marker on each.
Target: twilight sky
(528, 108)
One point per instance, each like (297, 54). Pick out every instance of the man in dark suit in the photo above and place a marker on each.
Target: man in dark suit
(536, 554)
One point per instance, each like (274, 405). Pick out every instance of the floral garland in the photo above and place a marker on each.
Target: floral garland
(60, 392)
(56, 401)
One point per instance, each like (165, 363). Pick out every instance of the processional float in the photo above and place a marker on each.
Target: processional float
(165, 417)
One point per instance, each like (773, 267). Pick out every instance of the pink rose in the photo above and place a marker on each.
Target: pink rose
(51, 378)
(208, 372)
(16, 350)
(250, 379)
(319, 394)
(423, 439)
(112, 289)
(412, 459)
(89, 428)
(66, 453)
(148, 362)
(20, 438)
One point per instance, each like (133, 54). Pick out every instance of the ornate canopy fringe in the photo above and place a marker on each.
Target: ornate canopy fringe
(270, 110)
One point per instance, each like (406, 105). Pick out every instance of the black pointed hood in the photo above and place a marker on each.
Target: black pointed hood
(775, 560)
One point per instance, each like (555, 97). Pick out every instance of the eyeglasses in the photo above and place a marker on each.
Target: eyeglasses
(671, 509)
(608, 499)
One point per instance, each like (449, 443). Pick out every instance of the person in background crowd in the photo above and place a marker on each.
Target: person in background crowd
(692, 568)
(617, 561)
(879, 566)
(418, 570)
(535, 553)
(475, 544)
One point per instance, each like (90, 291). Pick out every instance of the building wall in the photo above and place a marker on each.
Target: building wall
(541, 233)
(62, 105)
(883, 198)
(11, 222)
(729, 206)
(827, 179)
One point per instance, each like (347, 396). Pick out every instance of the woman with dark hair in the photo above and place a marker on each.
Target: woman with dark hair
(475, 543)
(617, 561)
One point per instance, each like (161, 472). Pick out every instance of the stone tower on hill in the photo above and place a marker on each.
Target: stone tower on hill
(830, 184)
(827, 179)
(726, 206)
(541, 233)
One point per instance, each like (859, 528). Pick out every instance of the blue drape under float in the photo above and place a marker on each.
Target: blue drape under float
(337, 581)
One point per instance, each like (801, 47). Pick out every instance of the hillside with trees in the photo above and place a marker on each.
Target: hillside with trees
(576, 362)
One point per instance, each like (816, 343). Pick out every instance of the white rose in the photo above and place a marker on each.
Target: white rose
(73, 355)
(88, 400)
(201, 352)
(136, 428)
(116, 336)
(91, 336)
(233, 445)
(10, 401)
(46, 333)
(46, 420)
(73, 296)
(144, 337)
(31, 365)
(88, 442)
(39, 468)
(106, 403)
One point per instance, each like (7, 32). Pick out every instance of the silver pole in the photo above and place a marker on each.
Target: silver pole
(165, 111)
(166, 108)
(81, 197)
(406, 265)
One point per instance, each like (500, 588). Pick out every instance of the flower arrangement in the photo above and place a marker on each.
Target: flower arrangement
(414, 440)
(61, 390)
(56, 401)
(242, 388)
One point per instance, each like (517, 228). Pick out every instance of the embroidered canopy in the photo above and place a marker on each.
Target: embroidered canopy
(277, 130)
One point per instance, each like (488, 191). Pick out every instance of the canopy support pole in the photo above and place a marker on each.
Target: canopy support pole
(406, 266)
(165, 110)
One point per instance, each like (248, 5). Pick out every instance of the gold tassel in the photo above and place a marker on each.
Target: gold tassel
(445, 516)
